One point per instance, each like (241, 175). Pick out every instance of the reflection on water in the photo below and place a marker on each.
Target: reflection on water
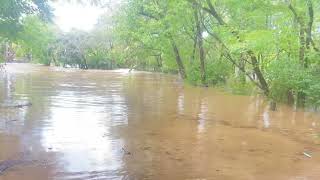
(266, 119)
(181, 103)
(121, 125)
(202, 115)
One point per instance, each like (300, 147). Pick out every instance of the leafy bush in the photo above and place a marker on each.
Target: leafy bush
(289, 76)
(284, 76)
(217, 72)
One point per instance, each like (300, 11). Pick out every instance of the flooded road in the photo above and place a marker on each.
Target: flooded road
(120, 125)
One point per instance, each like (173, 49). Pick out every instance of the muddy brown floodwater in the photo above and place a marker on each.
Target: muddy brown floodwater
(120, 125)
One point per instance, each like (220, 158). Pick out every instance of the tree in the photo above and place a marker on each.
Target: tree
(11, 12)
(35, 38)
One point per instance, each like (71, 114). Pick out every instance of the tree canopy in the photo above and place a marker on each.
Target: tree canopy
(13, 11)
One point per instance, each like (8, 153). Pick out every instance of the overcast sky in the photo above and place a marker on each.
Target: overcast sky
(73, 15)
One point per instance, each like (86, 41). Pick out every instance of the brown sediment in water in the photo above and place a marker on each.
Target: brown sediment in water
(121, 125)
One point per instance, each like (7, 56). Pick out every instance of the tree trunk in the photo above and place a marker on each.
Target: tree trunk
(6, 52)
(84, 64)
(301, 99)
(257, 71)
(309, 30)
(310, 24)
(290, 97)
(53, 58)
(305, 42)
(201, 49)
(195, 39)
(159, 61)
(178, 59)
(302, 47)
(241, 74)
(273, 105)
(302, 59)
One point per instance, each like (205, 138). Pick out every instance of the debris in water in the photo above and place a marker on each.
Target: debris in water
(146, 148)
(17, 104)
(7, 164)
(307, 154)
(13, 120)
(126, 152)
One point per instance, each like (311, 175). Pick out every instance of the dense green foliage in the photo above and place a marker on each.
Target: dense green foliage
(267, 46)
(35, 39)
(13, 16)
(270, 45)
(11, 12)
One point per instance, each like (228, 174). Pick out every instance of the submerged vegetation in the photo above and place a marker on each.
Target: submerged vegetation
(267, 46)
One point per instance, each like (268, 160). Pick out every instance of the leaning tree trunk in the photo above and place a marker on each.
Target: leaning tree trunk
(241, 74)
(263, 85)
(257, 71)
(178, 59)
